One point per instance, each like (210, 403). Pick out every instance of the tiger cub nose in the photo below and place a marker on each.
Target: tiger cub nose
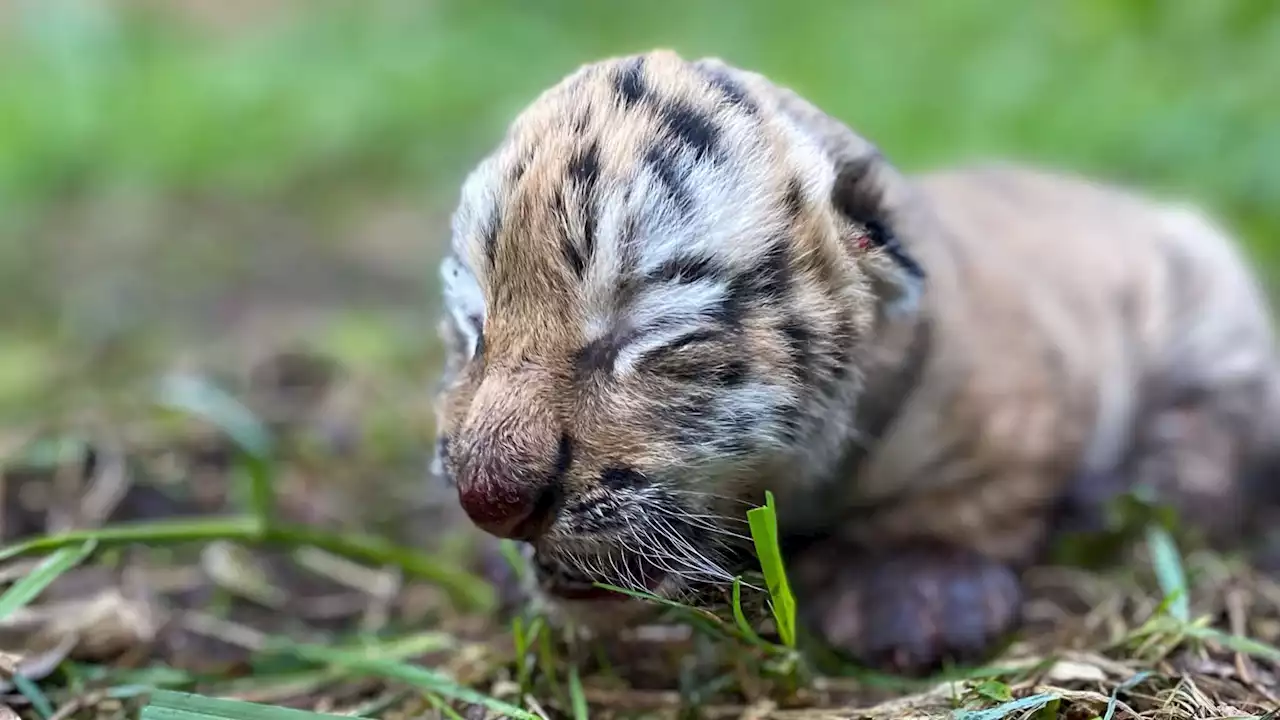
(511, 497)
(508, 510)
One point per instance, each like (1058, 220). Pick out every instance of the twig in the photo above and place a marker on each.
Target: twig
(77, 704)
(1235, 615)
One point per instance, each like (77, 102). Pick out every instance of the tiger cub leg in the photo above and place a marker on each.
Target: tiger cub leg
(1217, 464)
(908, 609)
(1193, 457)
(1198, 457)
(933, 580)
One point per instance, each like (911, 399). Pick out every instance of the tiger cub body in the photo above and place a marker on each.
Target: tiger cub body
(675, 286)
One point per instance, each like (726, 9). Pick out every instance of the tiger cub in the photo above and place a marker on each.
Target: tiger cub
(674, 286)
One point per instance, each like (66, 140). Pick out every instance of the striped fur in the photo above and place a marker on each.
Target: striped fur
(675, 285)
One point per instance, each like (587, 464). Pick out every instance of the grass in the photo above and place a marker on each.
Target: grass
(49, 569)
(167, 705)
(763, 522)
(252, 439)
(163, 178)
(536, 674)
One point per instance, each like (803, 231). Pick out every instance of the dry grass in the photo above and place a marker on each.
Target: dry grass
(270, 618)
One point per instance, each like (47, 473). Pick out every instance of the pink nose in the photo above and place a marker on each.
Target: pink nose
(510, 481)
(506, 510)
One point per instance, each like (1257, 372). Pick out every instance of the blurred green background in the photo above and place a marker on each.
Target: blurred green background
(216, 177)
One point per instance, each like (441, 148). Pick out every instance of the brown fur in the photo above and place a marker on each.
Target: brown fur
(926, 446)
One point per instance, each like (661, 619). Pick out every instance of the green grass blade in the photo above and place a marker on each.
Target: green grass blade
(32, 692)
(170, 705)
(526, 656)
(1238, 643)
(521, 640)
(740, 617)
(577, 696)
(639, 595)
(511, 553)
(700, 618)
(157, 531)
(49, 569)
(439, 704)
(994, 690)
(201, 398)
(1009, 709)
(155, 676)
(309, 681)
(764, 531)
(1049, 711)
(198, 397)
(1115, 694)
(1169, 572)
(415, 675)
(547, 660)
(464, 588)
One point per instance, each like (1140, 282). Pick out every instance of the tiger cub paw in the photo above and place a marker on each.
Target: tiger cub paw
(911, 612)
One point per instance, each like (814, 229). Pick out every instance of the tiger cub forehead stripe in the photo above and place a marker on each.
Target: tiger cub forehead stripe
(734, 93)
(691, 129)
(629, 81)
(584, 172)
(475, 222)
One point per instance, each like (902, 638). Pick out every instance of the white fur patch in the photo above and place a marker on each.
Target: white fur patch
(734, 213)
(760, 402)
(601, 281)
(464, 300)
(677, 303)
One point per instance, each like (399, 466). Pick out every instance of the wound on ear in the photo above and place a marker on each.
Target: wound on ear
(857, 198)
(883, 237)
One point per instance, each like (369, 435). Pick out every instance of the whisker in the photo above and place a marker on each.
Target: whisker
(694, 557)
(711, 527)
(715, 518)
(682, 565)
(701, 493)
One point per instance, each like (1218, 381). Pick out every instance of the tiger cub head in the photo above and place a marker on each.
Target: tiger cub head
(660, 291)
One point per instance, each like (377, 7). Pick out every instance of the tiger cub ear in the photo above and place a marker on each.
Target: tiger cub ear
(864, 195)
(873, 201)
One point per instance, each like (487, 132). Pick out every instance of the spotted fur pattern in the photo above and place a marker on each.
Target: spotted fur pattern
(675, 285)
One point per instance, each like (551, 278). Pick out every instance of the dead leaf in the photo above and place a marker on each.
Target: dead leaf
(1065, 671)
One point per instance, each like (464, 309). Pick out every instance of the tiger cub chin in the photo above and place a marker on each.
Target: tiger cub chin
(674, 286)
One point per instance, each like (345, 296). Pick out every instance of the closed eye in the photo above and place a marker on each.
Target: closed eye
(669, 358)
(621, 357)
(696, 337)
